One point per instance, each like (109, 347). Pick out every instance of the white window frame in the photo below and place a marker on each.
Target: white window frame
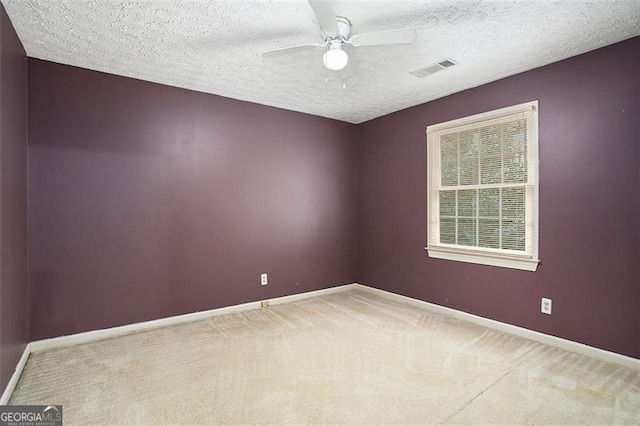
(527, 260)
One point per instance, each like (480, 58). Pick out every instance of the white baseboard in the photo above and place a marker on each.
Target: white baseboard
(568, 345)
(13, 381)
(94, 335)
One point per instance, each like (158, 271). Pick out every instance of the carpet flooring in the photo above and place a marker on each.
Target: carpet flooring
(346, 358)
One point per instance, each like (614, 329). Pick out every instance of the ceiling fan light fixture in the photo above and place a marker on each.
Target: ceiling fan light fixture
(335, 31)
(335, 58)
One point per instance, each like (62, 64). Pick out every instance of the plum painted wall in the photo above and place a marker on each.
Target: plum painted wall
(148, 201)
(14, 321)
(589, 203)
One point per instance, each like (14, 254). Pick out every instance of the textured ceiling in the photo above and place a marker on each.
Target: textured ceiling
(216, 46)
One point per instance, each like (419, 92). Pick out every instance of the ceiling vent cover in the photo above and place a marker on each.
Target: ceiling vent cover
(433, 68)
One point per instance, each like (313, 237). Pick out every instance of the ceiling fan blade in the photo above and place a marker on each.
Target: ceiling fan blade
(325, 15)
(384, 37)
(288, 50)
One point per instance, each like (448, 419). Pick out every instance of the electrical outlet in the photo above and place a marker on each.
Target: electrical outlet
(263, 279)
(545, 306)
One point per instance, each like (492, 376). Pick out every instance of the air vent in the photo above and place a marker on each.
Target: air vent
(433, 68)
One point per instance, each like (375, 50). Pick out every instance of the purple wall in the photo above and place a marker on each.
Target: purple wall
(589, 204)
(14, 321)
(148, 201)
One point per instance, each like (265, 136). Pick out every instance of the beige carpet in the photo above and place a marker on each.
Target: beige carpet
(348, 358)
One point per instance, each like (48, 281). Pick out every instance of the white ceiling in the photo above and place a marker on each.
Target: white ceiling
(216, 46)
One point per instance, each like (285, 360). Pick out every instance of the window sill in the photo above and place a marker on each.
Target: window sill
(483, 259)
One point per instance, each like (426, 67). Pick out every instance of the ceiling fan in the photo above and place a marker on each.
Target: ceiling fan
(336, 31)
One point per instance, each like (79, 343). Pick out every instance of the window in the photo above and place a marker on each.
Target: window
(482, 186)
